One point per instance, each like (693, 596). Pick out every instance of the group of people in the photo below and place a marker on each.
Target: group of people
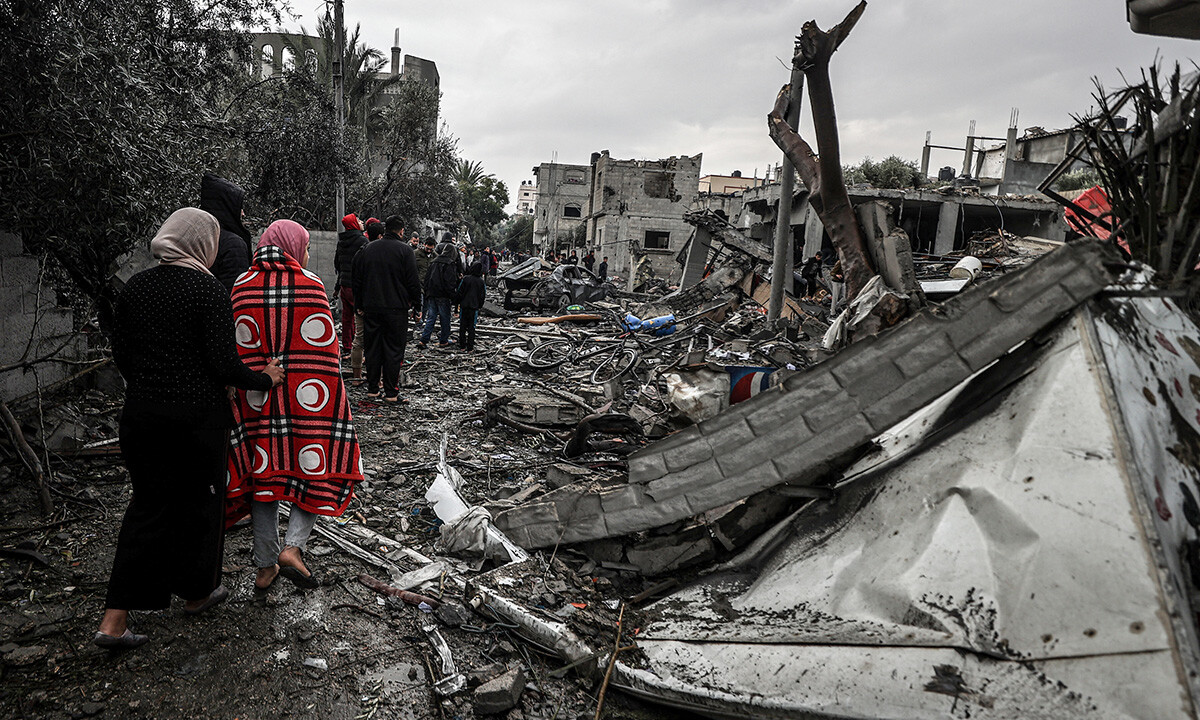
(387, 281)
(234, 404)
(588, 261)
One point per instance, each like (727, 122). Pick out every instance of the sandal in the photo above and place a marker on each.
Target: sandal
(126, 641)
(298, 578)
(216, 597)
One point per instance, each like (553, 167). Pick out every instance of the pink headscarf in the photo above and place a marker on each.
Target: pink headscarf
(187, 239)
(287, 235)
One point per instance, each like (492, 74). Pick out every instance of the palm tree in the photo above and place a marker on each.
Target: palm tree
(363, 77)
(469, 172)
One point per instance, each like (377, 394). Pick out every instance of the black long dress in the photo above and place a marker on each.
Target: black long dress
(173, 342)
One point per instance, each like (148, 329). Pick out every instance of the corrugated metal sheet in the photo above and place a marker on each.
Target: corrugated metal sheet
(998, 567)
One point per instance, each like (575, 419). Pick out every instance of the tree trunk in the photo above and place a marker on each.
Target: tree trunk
(822, 174)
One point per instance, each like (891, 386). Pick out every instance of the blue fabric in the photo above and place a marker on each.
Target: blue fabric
(437, 309)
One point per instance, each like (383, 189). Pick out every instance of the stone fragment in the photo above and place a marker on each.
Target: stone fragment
(500, 694)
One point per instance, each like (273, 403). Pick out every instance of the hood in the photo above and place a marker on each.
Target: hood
(349, 236)
(224, 200)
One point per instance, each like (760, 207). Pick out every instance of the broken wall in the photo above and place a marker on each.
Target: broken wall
(638, 205)
(31, 323)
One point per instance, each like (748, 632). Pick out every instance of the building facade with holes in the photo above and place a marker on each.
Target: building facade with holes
(635, 213)
(560, 198)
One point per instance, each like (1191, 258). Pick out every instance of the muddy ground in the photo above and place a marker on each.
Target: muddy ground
(245, 659)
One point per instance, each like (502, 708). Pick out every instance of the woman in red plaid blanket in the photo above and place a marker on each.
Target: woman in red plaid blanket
(296, 442)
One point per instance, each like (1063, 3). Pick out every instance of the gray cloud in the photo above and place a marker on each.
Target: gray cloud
(654, 78)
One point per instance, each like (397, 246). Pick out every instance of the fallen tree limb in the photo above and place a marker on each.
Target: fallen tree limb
(28, 457)
(583, 317)
(407, 596)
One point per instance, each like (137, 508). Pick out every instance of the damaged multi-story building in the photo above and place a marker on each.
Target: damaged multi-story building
(560, 198)
(635, 213)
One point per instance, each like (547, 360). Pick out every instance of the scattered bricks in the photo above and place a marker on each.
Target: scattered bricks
(646, 465)
(693, 478)
(678, 439)
(480, 675)
(688, 454)
(919, 359)
(500, 694)
(651, 515)
(563, 474)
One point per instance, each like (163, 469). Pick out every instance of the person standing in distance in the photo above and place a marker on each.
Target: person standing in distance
(385, 287)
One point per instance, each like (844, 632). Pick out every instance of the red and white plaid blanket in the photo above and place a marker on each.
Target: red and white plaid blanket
(295, 442)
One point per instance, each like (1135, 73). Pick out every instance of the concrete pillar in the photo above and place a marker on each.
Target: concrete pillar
(947, 226)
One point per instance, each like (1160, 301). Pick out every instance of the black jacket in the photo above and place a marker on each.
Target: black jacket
(442, 279)
(385, 276)
(348, 245)
(224, 201)
(471, 289)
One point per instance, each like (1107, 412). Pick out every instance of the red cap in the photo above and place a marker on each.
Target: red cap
(372, 220)
(350, 222)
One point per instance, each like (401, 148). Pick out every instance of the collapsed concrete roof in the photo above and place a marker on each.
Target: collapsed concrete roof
(1014, 550)
(819, 419)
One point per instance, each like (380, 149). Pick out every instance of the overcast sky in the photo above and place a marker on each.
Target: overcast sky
(527, 81)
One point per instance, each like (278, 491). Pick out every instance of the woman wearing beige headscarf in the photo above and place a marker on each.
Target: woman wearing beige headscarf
(173, 341)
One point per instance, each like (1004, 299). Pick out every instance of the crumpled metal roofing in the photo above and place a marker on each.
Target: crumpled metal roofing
(992, 561)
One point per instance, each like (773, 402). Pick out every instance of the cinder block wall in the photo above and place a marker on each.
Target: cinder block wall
(31, 326)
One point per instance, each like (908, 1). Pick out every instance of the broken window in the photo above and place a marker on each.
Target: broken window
(657, 240)
(571, 211)
(660, 185)
(268, 60)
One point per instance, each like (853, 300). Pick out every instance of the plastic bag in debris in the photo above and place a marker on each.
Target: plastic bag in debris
(859, 310)
(697, 395)
(662, 325)
(467, 537)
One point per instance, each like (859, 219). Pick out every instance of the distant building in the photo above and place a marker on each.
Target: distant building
(636, 211)
(560, 202)
(724, 184)
(527, 198)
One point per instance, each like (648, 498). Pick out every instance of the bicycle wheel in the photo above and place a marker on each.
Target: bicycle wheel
(549, 355)
(616, 364)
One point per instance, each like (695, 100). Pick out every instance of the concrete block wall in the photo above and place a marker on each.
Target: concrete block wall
(813, 421)
(31, 324)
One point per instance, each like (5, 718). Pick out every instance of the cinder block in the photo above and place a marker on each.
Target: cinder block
(646, 465)
(741, 485)
(573, 507)
(916, 361)
(865, 383)
(696, 477)
(1038, 312)
(731, 437)
(687, 454)
(674, 440)
(563, 474)
(652, 515)
(975, 320)
(829, 413)
(543, 513)
(891, 409)
(620, 499)
(739, 460)
(810, 459)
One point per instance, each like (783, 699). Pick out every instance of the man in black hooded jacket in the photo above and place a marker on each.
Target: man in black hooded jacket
(224, 200)
(384, 287)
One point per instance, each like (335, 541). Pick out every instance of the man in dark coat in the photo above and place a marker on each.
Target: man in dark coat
(350, 241)
(425, 255)
(602, 271)
(224, 201)
(385, 286)
(440, 284)
(589, 260)
(810, 272)
(469, 296)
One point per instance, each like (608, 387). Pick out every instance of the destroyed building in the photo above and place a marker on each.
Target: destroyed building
(560, 199)
(635, 212)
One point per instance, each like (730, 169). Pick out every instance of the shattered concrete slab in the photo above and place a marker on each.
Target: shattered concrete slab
(820, 418)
